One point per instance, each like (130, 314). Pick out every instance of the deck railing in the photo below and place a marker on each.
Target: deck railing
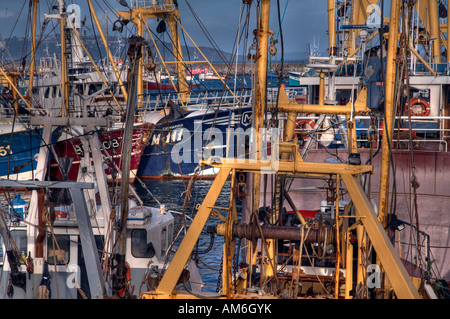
(156, 4)
(436, 135)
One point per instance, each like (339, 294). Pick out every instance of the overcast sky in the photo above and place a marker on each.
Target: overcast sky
(304, 20)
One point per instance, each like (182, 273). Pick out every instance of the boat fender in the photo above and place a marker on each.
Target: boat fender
(425, 107)
(301, 126)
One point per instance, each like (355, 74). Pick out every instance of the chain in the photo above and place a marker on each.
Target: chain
(219, 279)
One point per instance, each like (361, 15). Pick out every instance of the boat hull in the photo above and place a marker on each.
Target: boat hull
(19, 150)
(432, 198)
(71, 151)
(176, 147)
(151, 85)
(17, 154)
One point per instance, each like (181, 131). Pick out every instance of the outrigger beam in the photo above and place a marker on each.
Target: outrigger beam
(290, 167)
(393, 266)
(359, 107)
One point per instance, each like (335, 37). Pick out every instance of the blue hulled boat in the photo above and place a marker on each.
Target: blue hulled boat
(18, 151)
(178, 144)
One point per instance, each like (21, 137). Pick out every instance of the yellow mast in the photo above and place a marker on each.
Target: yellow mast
(263, 34)
(428, 13)
(110, 56)
(64, 71)
(389, 109)
(331, 28)
(33, 49)
(138, 15)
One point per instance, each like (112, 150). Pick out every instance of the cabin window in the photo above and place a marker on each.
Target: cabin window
(94, 88)
(139, 246)
(58, 252)
(20, 240)
(55, 89)
(47, 93)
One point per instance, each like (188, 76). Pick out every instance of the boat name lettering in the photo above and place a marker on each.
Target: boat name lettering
(246, 118)
(107, 144)
(113, 143)
(5, 150)
(173, 136)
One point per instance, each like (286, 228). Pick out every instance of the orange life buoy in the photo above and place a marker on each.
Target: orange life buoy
(301, 127)
(424, 109)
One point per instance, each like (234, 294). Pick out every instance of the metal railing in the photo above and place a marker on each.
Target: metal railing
(440, 133)
(156, 4)
(153, 102)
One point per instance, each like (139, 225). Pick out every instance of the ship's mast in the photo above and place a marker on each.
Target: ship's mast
(139, 13)
(64, 71)
(263, 34)
(33, 49)
(292, 165)
(332, 28)
(389, 108)
(110, 56)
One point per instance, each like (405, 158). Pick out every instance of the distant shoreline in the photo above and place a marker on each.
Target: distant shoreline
(221, 68)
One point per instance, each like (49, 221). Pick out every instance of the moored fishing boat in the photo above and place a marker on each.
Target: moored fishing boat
(349, 231)
(419, 149)
(94, 244)
(176, 147)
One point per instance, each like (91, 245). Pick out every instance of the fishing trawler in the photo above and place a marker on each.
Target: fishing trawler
(338, 222)
(76, 239)
(45, 93)
(98, 88)
(418, 149)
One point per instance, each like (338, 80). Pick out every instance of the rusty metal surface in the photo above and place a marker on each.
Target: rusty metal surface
(433, 195)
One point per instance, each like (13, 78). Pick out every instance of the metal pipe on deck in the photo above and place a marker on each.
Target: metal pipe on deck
(253, 232)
